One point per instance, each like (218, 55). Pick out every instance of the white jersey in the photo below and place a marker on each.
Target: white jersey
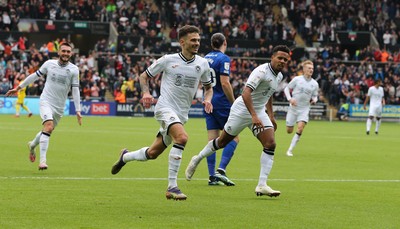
(303, 91)
(179, 81)
(264, 81)
(59, 79)
(375, 96)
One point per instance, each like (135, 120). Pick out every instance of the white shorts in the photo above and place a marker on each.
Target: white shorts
(375, 111)
(166, 117)
(294, 116)
(237, 123)
(47, 112)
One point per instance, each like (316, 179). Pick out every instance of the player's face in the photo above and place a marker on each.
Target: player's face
(65, 53)
(191, 43)
(279, 60)
(308, 70)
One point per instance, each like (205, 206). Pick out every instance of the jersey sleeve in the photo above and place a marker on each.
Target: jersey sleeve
(292, 84)
(157, 67)
(255, 78)
(75, 78)
(43, 69)
(225, 66)
(206, 76)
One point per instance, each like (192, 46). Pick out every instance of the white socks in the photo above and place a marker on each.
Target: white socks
(36, 140)
(378, 124)
(267, 160)
(138, 155)
(174, 162)
(295, 139)
(369, 123)
(44, 145)
(208, 149)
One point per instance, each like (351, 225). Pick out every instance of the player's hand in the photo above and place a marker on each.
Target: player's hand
(293, 102)
(365, 107)
(79, 117)
(12, 91)
(147, 100)
(257, 124)
(208, 107)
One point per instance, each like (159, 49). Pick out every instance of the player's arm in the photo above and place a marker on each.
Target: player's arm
(365, 102)
(147, 98)
(30, 79)
(288, 95)
(227, 88)
(77, 102)
(208, 94)
(314, 97)
(76, 96)
(248, 101)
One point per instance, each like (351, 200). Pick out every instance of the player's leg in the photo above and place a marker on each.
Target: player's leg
(378, 124)
(234, 126)
(49, 121)
(44, 141)
(296, 137)
(17, 109)
(226, 157)
(27, 109)
(267, 139)
(369, 123)
(378, 119)
(371, 115)
(290, 121)
(211, 160)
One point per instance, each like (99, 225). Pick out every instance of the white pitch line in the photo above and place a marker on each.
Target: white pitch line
(159, 179)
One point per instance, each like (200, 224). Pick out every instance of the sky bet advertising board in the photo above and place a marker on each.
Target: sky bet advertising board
(94, 108)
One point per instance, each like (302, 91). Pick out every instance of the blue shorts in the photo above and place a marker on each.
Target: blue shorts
(217, 119)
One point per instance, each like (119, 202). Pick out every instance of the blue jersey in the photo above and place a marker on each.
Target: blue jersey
(219, 65)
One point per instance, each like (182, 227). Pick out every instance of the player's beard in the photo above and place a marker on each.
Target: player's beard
(64, 59)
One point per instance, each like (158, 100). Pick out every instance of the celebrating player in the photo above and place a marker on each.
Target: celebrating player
(300, 92)
(60, 74)
(253, 109)
(182, 73)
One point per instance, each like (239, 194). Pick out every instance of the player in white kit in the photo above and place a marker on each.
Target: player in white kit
(253, 109)
(301, 92)
(182, 73)
(376, 97)
(61, 75)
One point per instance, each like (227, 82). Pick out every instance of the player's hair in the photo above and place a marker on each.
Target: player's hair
(217, 40)
(185, 30)
(66, 44)
(306, 62)
(378, 80)
(282, 48)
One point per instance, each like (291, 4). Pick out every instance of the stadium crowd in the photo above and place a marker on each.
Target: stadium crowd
(342, 77)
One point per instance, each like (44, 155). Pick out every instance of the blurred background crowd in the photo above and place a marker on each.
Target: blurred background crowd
(110, 70)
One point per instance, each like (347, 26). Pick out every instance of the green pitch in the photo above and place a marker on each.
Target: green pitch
(338, 178)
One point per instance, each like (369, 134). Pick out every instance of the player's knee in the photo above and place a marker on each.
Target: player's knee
(289, 130)
(270, 144)
(181, 139)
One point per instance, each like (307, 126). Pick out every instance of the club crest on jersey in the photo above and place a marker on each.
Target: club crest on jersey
(68, 71)
(198, 68)
(178, 80)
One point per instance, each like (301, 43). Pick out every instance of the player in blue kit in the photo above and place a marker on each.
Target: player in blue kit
(222, 101)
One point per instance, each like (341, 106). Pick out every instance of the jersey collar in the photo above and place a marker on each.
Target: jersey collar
(188, 61)
(272, 70)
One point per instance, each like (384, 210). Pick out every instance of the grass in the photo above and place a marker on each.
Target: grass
(338, 178)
